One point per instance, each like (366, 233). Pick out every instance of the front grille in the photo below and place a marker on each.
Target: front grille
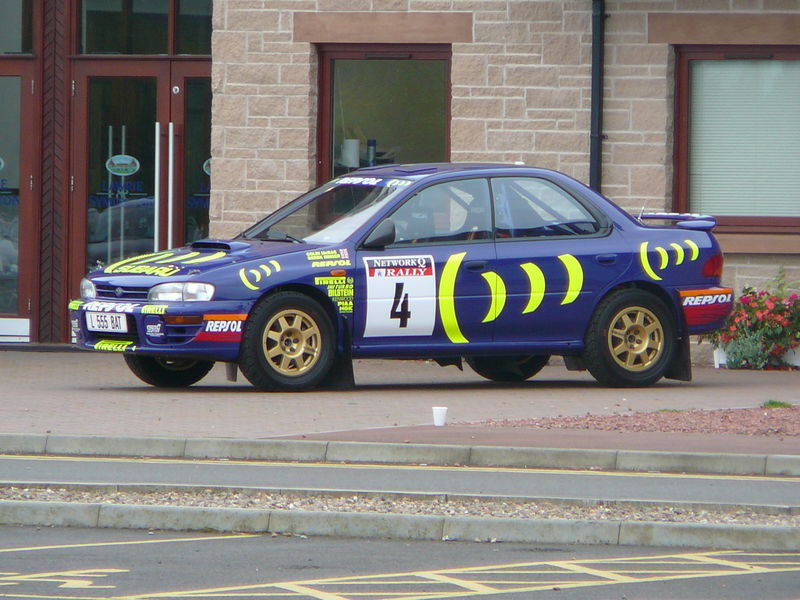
(116, 292)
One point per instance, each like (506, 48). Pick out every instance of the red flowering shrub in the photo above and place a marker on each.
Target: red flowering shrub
(773, 318)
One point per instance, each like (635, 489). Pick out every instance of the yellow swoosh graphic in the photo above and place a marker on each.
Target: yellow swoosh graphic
(575, 275)
(538, 286)
(646, 262)
(447, 306)
(498, 290)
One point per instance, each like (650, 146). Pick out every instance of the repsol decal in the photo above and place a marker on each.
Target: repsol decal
(119, 307)
(707, 299)
(222, 328)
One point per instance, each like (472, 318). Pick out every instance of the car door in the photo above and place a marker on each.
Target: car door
(555, 254)
(431, 290)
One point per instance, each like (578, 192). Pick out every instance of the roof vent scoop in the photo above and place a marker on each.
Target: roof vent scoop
(223, 245)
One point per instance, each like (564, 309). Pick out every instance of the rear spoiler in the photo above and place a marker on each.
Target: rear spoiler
(684, 220)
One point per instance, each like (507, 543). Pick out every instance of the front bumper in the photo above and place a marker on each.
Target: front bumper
(203, 330)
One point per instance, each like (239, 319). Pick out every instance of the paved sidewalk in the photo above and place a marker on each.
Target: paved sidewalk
(71, 392)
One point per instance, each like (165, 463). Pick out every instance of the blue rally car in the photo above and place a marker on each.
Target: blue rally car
(498, 266)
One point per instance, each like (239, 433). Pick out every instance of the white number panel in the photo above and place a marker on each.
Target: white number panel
(401, 295)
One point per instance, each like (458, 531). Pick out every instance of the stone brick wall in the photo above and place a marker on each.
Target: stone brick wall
(520, 92)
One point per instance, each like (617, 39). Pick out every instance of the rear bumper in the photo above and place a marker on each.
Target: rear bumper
(705, 309)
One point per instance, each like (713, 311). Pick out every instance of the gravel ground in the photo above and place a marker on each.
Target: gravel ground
(742, 421)
(398, 505)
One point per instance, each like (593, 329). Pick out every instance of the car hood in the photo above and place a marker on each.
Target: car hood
(199, 257)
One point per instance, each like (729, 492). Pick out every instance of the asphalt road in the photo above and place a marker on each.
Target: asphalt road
(589, 485)
(86, 564)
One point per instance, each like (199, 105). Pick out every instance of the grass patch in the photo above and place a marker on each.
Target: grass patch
(776, 404)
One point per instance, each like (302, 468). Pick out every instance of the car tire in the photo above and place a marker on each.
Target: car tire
(168, 372)
(631, 339)
(288, 343)
(507, 368)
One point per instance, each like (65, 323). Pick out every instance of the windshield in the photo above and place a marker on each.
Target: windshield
(329, 214)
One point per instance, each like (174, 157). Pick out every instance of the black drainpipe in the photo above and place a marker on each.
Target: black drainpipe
(596, 134)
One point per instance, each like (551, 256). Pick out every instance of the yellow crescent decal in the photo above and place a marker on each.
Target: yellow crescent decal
(498, 290)
(246, 281)
(679, 254)
(538, 285)
(203, 259)
(275, 264)
(695, 249)
(266, 269)
(142, 258)
(447, 306)
(664, 257)
(646, 262)
(575, 278)
(178, 258)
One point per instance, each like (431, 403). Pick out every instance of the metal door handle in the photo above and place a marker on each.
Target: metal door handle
(170, 183)
(475, 265)
(157, 184)
(606, 259)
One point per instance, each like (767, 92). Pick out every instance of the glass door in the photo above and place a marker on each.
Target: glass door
(141, 148)
(18, 233)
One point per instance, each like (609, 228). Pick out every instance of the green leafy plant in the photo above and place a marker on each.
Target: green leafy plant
(762, 326)
(776, 404)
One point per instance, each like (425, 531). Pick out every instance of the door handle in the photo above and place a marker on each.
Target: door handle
(157, 184)
(170, 184)
(606, 259)
(475, 265)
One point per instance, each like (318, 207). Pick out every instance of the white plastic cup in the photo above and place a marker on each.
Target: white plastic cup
(439, 415)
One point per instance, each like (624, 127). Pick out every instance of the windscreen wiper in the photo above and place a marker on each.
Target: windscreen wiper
(274, 235)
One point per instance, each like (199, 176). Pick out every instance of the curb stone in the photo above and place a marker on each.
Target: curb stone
(416, 527)
(393, 453)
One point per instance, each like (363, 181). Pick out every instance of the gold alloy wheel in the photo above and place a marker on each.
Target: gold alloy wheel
(635, 338)
(292, 341)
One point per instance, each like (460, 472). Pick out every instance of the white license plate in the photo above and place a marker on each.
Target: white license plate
(111, 322)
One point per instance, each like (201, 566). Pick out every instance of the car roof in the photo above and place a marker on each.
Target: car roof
(423, 170)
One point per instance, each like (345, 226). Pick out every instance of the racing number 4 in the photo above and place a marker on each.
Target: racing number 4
(400, 305)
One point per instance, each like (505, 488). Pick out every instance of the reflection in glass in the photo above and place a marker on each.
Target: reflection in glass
(123, 26)
(398, 104)
(196, 168)
(16, 26)
(9, 192)
(120, 220)
(194, 27)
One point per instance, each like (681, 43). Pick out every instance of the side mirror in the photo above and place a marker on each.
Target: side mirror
(381, 236)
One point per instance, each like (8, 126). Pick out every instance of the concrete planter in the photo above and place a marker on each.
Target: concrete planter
(791, 357)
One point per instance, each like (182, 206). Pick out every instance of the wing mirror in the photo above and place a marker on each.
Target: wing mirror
(381, 236)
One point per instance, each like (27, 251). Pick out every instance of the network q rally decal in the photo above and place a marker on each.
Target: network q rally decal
(401, 296)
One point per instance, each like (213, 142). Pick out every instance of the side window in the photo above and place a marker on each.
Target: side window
(445, 212)
(529, 207)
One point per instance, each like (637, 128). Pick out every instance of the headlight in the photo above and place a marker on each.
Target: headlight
(181, 292)
(88, 290)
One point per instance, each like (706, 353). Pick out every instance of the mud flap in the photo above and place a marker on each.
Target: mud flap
(341, 377)
(681, 366)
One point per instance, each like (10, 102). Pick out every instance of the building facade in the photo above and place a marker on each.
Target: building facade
(684, 105)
